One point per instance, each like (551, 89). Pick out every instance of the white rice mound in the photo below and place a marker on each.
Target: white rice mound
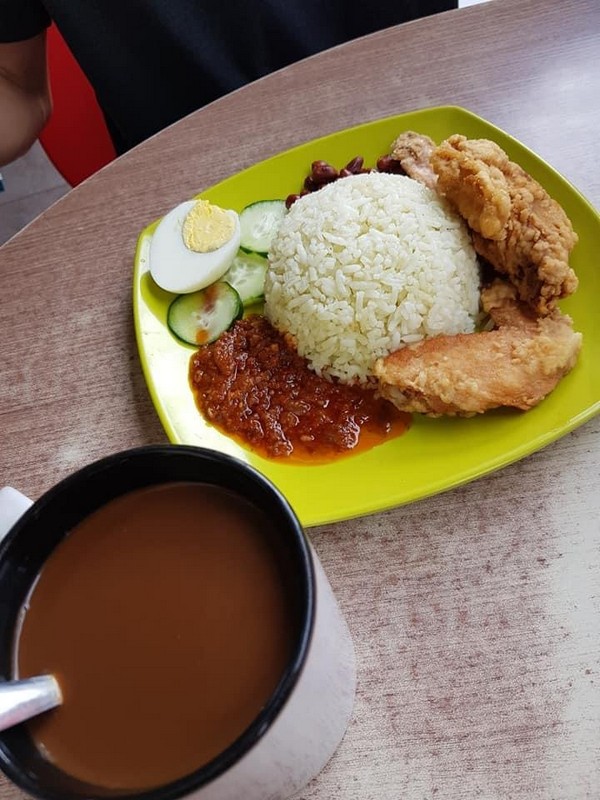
(366, 265)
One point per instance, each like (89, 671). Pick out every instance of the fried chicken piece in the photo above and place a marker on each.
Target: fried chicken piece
(516, 225)
(499, 300)
(516, 365)
(470, 174)
(413, 151)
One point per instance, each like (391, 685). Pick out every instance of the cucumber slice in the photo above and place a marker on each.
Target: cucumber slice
(259, 223)
(201, 317)
(247, 276)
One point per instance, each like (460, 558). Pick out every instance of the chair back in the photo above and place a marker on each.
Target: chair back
(75, 139)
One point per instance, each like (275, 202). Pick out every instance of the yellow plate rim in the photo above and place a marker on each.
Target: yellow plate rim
(354, 503)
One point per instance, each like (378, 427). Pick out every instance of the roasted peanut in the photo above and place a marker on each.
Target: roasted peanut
(388, 164)
(355, 166)
(322, 172)
(291, 199)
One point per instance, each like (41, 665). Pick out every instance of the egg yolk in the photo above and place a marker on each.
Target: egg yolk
(207, 227)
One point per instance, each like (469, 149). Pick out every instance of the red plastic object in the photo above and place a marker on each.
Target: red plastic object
(75, 139)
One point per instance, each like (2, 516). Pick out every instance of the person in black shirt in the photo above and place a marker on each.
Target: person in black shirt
(152, 62)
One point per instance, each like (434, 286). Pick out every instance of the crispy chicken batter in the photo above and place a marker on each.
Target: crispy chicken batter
(413, 151)
(516, 225)
(516, 365)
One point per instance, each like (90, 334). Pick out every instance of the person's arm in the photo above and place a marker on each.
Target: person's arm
(25, 100)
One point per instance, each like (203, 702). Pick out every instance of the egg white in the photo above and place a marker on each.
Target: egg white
(176, 268)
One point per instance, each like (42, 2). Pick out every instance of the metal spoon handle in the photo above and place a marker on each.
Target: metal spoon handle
(21, 700)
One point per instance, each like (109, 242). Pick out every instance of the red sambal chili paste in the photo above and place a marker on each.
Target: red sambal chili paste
(252, 384)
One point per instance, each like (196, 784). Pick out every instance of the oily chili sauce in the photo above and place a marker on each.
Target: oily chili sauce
(252, 384)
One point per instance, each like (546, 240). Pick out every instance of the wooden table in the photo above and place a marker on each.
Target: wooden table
(475, 613)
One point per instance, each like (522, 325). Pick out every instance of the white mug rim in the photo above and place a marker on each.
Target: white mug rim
(264, 720)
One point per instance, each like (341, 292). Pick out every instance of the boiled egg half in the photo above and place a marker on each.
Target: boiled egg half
(193, 246)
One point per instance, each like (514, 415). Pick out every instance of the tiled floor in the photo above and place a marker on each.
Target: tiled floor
(32, 184)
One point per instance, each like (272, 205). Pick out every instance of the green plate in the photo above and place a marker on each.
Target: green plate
(435, 454)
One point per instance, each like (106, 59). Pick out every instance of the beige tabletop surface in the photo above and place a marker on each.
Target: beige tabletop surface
(475, 613)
